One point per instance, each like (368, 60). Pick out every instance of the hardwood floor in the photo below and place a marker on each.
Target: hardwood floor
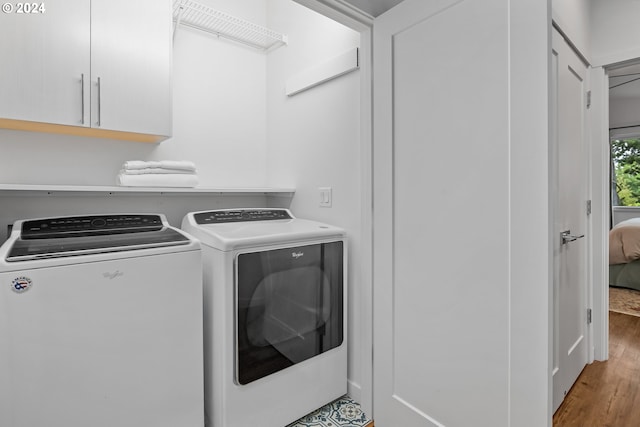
(607, 394)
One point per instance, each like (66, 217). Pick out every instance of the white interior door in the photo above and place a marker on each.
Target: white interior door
(570, 217)
(441, 214)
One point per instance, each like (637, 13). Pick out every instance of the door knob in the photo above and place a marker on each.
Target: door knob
(566, 237)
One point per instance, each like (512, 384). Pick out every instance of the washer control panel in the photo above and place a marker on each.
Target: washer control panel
(74, 226)
(241, 215)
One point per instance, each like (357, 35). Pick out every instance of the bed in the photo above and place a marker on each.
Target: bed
(624, 254)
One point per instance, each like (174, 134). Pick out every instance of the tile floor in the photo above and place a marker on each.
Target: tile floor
(344, 412)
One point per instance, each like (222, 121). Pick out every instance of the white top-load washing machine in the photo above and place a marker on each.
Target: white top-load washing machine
(275, 315)
(100, 324)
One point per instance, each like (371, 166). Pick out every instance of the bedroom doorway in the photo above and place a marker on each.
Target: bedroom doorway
(624, 183)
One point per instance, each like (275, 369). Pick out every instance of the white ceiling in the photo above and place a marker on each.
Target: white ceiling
(625, 82)
(373, 7)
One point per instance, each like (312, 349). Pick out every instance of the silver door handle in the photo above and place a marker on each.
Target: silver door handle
(566, 237)
(82, 98)
(99, 101)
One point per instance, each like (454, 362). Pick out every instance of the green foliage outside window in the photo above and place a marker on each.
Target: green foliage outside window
(625, 158)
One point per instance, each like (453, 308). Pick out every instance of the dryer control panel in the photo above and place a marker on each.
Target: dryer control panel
(241, 215)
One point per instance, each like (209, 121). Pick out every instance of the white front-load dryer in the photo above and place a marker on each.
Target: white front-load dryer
(274, 315)
(100, 324)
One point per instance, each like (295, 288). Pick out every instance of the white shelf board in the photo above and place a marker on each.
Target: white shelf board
(55, 189)
(322, 73)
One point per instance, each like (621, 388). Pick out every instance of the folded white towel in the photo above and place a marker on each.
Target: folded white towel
(156, 171)
(139, 164)
(178, 164)
(158, 180)
(164, 164)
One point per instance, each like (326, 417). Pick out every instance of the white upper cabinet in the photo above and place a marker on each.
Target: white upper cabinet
(103, 65)
(44, 58)
(131, 57)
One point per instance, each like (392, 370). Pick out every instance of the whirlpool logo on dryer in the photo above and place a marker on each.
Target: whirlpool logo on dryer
(297, 255)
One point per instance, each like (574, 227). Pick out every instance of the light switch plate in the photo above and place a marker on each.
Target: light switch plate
(325, 196)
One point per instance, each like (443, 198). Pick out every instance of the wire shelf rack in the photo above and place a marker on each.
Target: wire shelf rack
(201, 17)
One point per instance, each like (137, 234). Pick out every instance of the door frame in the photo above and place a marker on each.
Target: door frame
(599, 167)
(357, 20)
(598, 133)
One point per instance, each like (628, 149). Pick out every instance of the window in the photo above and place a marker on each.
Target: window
(625, 172)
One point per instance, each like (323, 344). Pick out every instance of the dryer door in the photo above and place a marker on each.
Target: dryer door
(289, 307)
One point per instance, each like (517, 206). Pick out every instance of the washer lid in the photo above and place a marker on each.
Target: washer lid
(82, 235)
(227, 236)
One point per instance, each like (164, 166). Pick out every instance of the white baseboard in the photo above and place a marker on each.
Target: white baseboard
(354, 391)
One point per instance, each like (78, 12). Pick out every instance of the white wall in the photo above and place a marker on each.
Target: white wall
(220, 103)
(314, 139)
(615, 34)
(573, 17)
(605, 32)
(220, 126)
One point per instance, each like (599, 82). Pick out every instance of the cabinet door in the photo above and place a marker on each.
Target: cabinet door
(131, 65)
(44, 58)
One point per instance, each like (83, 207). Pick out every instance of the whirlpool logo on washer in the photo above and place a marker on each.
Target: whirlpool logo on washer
(112, 275)
(21, 284)
(297, 255)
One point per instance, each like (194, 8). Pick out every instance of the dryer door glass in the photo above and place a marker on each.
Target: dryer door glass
(289, 307)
